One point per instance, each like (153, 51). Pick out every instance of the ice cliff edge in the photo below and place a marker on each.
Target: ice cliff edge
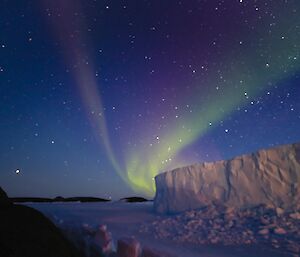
(270, 177)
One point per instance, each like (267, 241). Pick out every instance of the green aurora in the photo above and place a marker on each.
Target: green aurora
(248, 75)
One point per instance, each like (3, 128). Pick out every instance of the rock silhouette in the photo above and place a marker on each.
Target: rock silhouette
(4, 200)
(25, 232)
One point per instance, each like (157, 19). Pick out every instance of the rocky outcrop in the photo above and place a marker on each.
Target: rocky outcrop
(25, 232)
(270, 177)
(4, 200)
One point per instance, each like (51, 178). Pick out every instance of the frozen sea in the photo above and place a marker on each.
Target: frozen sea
(125, 219)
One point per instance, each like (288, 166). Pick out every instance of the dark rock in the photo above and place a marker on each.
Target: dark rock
(58, 199)
(4, 200)
(86, 199)
(25, 232)
(134, 199)
(31, 200)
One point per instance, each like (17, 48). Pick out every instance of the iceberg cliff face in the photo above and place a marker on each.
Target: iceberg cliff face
(270, 177)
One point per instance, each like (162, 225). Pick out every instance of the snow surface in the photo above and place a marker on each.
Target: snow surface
(125, 219)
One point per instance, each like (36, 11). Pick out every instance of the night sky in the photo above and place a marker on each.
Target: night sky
(97, 97)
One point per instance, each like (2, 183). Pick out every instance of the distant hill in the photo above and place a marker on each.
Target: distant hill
(134, 199)
(57, 199)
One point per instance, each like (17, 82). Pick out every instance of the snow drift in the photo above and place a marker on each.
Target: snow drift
(270, 177)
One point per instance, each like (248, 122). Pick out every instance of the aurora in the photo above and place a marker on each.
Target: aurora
(242, 73)
(247, 75)
(100, 97)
